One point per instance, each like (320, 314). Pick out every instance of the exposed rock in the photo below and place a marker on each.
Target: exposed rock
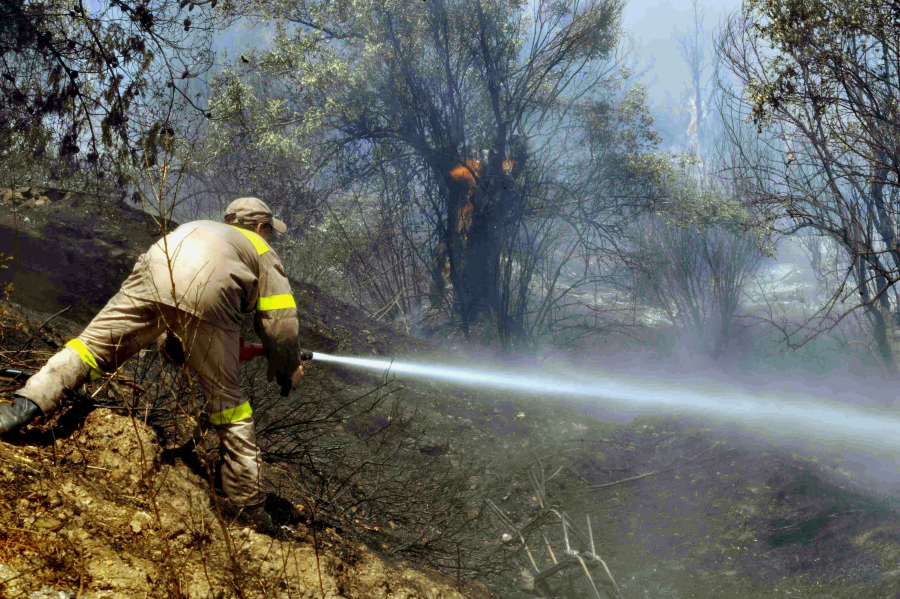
(48, 524)
(11, 197)
(140, 521)
(49, 592)
(30, 197)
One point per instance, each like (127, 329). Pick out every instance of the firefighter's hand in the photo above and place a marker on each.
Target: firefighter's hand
(297, 377)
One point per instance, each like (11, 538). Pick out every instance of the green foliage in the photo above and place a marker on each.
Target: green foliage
(23, 157)
(258, 113)
(691, 198)
(817, 42)
(696, 254)
(81, 78)
(320, 256)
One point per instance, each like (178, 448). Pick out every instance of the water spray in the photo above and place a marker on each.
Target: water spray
(821, 422)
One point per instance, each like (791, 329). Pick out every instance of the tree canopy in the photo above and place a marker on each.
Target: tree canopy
(821, 82)
(81, 81)
(472, 99)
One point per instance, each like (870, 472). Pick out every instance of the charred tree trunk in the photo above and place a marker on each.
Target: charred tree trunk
(483, 255)
(459, 179)
(482, 202)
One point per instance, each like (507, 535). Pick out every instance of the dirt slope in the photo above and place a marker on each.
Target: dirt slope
(67, 249)
(91, 510)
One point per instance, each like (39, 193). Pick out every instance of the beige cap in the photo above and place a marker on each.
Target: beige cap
(253, 210)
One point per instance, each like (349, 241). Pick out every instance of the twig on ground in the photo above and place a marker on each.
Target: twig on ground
(631, 479)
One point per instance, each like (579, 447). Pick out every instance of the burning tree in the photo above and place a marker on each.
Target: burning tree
(695, 48)
(466, 99)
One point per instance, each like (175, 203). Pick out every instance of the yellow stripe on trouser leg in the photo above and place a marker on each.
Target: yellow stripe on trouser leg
(232, 415)
(276, 302)
(86, 356)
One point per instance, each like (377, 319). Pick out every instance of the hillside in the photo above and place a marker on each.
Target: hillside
(431, 484)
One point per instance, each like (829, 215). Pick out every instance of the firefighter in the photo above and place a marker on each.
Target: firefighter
(196, 283)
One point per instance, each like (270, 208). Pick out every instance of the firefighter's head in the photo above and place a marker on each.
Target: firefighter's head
(253, 214)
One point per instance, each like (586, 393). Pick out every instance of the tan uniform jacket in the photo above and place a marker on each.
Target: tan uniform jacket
(218, 273)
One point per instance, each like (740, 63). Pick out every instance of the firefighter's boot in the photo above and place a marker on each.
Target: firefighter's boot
(260, 520)
(254, 516)
(14, 416)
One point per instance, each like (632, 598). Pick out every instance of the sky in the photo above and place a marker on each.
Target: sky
(655, 26)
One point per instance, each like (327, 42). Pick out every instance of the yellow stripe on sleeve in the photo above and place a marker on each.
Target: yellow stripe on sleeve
(276, 302)
(256, 240)
(231, 415)
(86, 356)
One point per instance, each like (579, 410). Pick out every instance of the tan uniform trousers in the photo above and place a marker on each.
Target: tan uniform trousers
(122, 329)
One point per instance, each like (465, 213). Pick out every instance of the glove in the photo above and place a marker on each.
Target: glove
(285, 383)
(171, 348)
(14, 416)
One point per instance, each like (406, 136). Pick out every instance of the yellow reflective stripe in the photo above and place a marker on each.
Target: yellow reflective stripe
(276, 302)
(233, 415)
(86, 356)
(256, 240)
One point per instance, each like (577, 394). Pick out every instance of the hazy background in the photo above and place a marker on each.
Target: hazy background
(655, 27)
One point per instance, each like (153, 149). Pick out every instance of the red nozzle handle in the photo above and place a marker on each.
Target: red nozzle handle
(248, 351)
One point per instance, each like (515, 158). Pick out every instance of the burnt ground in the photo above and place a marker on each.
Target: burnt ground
(725, 519)
(677, 509)
(680, 510)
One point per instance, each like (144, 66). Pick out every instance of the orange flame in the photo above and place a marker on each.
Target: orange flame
(468, 173)
(464, 218)
(463, 172)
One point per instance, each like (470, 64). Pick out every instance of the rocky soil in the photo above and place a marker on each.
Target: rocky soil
(90, 509)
